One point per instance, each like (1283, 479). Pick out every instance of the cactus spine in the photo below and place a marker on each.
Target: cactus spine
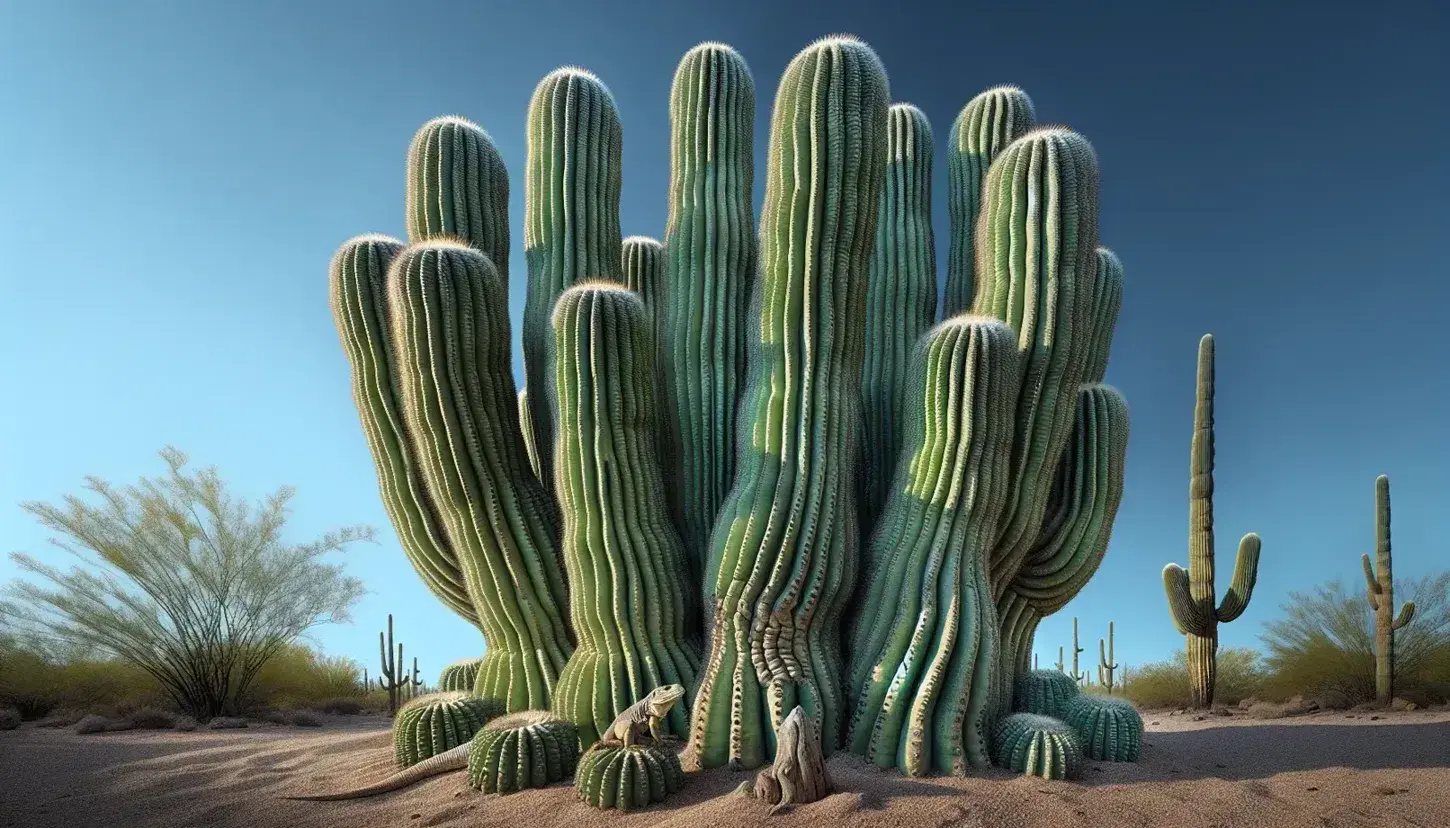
(451, 332)
(710, 249)
(571, 221)
(391, 680)
(1106, 663)
(357, 286)
(927, 638)
(901, 299)
(985, 126)
(1380, 590)
(1191, 593)
(627, 569)
(783, 555)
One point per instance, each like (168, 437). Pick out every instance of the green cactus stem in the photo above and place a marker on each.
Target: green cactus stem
(1380, 590)
(711, 252)
(783, 557)
(429, 725)
(642, 265)
(627, 778)
(1076, 674)
(1111, 730)
(1042, 186)
(395, 683)
(901, 299)
(1061, 667)
(1191, 593)
(458, 188)
(1038, 746)
(451, 331)
(1106, 664)
(357, 281)
(526, 425)
(571, 221)
(925, 641)
(627, 569)
(984, 127)
(1044, 692)
(460, 676)
(528, 749)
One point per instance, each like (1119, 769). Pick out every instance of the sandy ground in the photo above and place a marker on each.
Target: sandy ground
(1324, 770)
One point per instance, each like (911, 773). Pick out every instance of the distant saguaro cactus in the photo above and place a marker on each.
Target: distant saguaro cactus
(1380, 590)
(1191, 592)
(1106, 663)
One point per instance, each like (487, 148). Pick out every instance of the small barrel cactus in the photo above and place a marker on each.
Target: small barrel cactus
(1044, 692)
(528, 749)
(459, 676)
(429, 725)
(1111, 729)
(615, 776)
(1039, 746)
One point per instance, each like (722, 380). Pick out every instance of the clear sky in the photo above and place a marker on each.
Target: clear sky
(177, 176)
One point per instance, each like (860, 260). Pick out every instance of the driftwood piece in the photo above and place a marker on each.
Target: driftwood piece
(799, 773)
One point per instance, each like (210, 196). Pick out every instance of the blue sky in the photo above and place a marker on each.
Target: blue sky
(177, 177)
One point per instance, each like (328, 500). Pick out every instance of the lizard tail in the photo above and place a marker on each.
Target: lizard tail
(451, 760)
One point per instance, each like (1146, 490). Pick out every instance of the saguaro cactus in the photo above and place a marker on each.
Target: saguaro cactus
(526, 426)
(926, 639)
(1191, 592)
(357, 286)
(571, 221)
(711, 252)
(451, 331)
(627, 569)
(783, 555)
(1380, 590)
(1106, 663)
(394, 679)
(901, 299)
(458, 188)
(984, 127)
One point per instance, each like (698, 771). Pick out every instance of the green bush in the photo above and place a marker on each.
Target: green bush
(1165, 683)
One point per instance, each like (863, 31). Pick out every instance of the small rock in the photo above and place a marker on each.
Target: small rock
(1384, 791)
(1350, 716)
(1218, 765)
(1199, 718)
(1374, 718)
(1312, 788)
(1157, 723)
(1404, 790)
(415, 816)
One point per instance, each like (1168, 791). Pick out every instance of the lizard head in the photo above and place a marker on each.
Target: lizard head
(662, 698)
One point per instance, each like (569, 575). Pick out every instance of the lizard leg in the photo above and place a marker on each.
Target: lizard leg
(654, 729)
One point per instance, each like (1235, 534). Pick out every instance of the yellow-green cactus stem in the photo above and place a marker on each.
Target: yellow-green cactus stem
(357, 282)
(1111, 730)
(1044, 692)
(460, 676)
(450, 328)
(642, 262)
(1380, 590)
(783, 555)
(571, 221)
(429, 725)
(1039, 746)
(627, 570)
(925, 639)
(458, 188)
(1191, 592)
(984, 127)
(627, 778)
(528, 749)
(526, 425)
(901, 299)
(711, 253)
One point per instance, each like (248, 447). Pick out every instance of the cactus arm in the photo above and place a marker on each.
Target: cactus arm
(1407, 614)
(1372, 586)
(1182, 607)
(1246, 574)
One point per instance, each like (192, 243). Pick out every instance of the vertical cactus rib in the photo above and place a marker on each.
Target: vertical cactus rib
(925, 643)
(710, 249)
(642, 265)
(1380, 590)
(626, 564)
(901, 299)
(571, 220)
(1191, 593)
(458, 188)
(526, 426)
(984, 127)
(451, 331)
(357, 286)
(1076, 530)
(783, 554)
(1037, 265)
(1106, 303)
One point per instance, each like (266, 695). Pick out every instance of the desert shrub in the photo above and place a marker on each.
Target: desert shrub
(102, 724)
(1165, 683)
(226, 723)
(1323, 648)
(301, 676)
(151, 718)
(185, 723)
(302, 718)
(61, 718)
(341, 706)
(9, 718)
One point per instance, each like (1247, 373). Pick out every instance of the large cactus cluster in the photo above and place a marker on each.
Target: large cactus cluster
(751, 461)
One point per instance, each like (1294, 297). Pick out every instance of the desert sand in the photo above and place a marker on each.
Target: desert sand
(1325, 769)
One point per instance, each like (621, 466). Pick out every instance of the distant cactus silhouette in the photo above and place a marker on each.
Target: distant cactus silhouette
(1380, 590)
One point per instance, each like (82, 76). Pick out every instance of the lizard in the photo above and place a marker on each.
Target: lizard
(644, 716)
(449, 760)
